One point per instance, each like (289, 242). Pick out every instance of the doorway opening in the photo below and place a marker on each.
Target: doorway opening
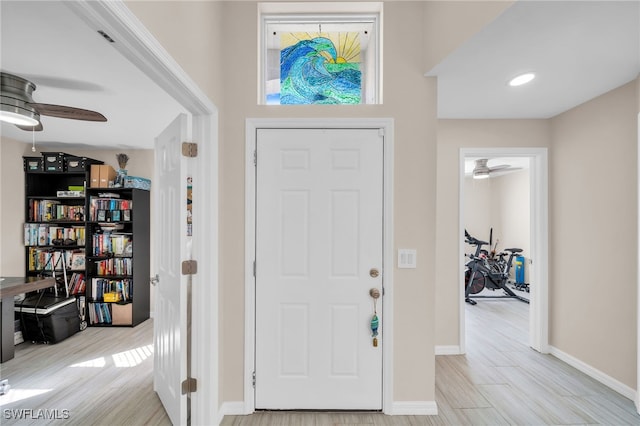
(498, 237)
(536, 161)
(145, 52)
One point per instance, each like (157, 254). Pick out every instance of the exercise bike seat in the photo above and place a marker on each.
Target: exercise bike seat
(475, 242)
(513, 250)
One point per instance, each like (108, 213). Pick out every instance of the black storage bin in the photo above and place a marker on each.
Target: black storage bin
(32, 164)
(48, 319)
(53, 161)
(79, 164)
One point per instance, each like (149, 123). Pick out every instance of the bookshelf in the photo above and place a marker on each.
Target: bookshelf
(55, 228)
(65, 218)
(117, 256)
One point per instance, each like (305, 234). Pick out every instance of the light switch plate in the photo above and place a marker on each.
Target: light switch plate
(407, 258)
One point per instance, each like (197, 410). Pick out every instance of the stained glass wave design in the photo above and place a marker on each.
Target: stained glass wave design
(312, 73)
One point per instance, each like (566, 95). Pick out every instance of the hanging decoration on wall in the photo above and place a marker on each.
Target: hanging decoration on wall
(320, 68)
(189, 206)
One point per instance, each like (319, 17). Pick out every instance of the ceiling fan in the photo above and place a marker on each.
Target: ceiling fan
(17, 106)
(483, 171)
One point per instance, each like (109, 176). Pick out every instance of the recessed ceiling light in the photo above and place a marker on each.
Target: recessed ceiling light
(522, 79)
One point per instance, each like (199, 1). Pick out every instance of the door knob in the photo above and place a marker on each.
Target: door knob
(154, 280)
(374, 273)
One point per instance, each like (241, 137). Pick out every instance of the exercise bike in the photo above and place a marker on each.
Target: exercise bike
(493, 274)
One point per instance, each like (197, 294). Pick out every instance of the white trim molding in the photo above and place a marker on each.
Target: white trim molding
(594, 373)
(138, 45)
(386, 126)
(415, 408)
(636, 399)
(448, 350)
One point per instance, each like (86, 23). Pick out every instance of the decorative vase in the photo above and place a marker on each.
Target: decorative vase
(121, 174)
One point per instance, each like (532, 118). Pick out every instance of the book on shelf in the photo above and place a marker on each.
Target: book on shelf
(77, 284)
(100, 313)
(51, 210)
(77, 261)
(42, 234)
(63, 194)
(109, 209)
(46, 259)
(101, 286)
(114, 266)
(112, 243)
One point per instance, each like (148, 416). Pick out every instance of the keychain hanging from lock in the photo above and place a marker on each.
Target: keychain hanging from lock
(375, 322)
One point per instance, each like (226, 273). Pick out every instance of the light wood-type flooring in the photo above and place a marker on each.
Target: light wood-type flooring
(104, 377)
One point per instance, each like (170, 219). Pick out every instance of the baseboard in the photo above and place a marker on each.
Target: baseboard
(414, 408)
(448, 350)
(232, 408)
(594, 373)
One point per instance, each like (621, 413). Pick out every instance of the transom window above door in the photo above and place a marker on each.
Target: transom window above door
(322, 57)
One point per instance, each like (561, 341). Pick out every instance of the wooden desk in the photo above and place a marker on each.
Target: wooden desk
(10, 287)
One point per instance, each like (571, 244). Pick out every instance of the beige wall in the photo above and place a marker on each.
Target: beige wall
(448, 24)
(510, 210)
(477, 209)
(592, 219)
(593, 233)
(414, 187)
(411, 101)
(415, 142)
(11, 207)
(501, 203)
(453, 135)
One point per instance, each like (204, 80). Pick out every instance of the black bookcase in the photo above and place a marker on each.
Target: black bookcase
(118, 253)
(59, 227)
(55, 227)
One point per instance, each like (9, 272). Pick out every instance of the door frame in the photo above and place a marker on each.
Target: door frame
(539, 230)
(251, 126)
(136, 43)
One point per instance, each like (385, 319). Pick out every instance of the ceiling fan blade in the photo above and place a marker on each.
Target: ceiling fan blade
(37, 128)
(505, 171)
(499, 167)
(72, 113)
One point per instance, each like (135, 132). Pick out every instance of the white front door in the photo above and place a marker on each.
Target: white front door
(319, 228)
(169, 323)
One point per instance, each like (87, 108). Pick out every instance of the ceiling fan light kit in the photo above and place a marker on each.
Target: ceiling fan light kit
(17, 105)
(481, 174)
(15, 98)
(19, 116)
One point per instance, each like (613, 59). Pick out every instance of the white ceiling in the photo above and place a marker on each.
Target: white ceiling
(579, 50)
(71, 64)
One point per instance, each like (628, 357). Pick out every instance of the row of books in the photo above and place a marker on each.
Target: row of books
(110, 215)
(112, 243)
(48, 210)
(115, 266)
(77, 284)
(99, 313)
(109, 209)
(101, 286)
(41, 234)
(47, 259)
